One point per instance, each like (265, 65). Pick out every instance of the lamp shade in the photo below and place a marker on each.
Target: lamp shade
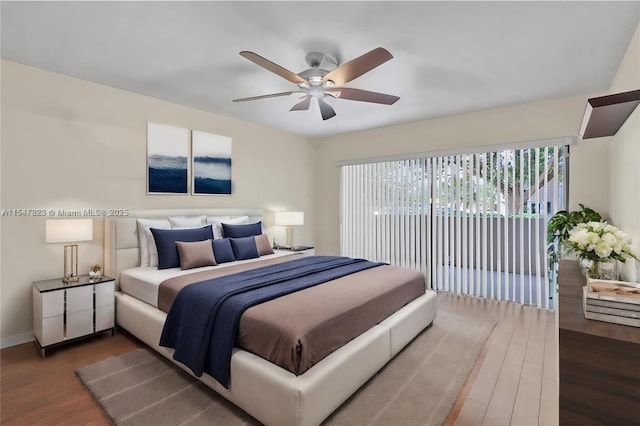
(289, 218)
(69, 230)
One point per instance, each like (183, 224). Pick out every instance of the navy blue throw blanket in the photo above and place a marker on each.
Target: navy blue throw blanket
(203, 320)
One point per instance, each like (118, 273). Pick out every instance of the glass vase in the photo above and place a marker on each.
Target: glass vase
(585, 266)
(603, 269)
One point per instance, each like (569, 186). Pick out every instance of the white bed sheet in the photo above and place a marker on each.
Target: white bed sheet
(143, 282)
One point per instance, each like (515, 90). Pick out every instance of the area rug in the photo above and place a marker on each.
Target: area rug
(418, 387)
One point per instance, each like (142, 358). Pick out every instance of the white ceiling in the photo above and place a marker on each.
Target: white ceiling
(449, 57)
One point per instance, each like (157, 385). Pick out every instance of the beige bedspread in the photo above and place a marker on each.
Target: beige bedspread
(298, 330)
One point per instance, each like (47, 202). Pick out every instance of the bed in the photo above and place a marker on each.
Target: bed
(270, 393)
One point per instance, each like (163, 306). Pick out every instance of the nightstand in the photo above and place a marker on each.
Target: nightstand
(306, 250)
(63, 312)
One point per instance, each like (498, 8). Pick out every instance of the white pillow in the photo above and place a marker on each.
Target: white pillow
(216, 219)
(153, 249)
(217, 227)
(146, 241)
(215, 222)
(185, 222)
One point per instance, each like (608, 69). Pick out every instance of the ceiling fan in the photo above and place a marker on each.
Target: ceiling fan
(318, 83)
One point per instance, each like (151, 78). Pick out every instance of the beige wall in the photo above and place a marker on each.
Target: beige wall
(624, 194)
(540, 120)
(68, 143)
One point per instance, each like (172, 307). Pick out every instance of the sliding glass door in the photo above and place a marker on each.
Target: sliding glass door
(474, 223)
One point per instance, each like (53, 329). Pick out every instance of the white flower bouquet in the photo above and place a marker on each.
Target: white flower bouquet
(599, 241)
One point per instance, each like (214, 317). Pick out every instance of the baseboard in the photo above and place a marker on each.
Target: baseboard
(17, 339)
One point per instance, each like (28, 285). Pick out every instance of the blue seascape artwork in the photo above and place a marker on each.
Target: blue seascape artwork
(212, 175)
(211, 163)
(168, 174)
(167, 159)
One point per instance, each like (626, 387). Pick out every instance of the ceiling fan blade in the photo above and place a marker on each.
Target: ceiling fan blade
(302, 105)
(274, 68)
(358, 66)
(325, 109)
(273, 95)
(365, 96)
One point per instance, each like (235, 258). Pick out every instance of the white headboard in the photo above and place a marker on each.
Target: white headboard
(121, 249)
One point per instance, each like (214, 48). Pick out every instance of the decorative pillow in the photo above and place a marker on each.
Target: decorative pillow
(240, 231)
(262, 244)
(222, 250)
(148, 251)
(244, 248)
(186, 222)
(217, 227)
(195, 254)
(168, 256)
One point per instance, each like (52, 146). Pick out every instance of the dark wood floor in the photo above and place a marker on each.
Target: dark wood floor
(34, 390)
(45, 391)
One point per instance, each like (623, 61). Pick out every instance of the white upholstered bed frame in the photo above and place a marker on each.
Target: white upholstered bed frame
(269, 393)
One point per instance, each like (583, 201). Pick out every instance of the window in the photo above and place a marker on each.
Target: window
(474, 223)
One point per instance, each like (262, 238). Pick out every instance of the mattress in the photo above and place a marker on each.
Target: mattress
(143, 282)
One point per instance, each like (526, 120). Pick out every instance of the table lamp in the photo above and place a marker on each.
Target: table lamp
(289, 219)
(69, 231)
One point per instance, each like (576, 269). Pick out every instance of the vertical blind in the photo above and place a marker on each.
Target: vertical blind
(473, 223)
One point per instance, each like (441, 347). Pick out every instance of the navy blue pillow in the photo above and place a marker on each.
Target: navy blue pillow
(240, 231)
(168, 256)
(244, 248)
(222, 250)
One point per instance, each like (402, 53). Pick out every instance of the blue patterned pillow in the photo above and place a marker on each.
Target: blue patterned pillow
(240, 231)
(244, 248)
(222, 250)
(168, 256)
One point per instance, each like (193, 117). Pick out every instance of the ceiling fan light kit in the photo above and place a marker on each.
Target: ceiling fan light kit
(326, 78)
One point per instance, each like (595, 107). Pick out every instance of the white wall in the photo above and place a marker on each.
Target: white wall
(624, 157)
(68, 143)
(540, 120)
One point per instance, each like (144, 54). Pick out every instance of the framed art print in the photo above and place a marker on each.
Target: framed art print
(167, 159)
(211, 155)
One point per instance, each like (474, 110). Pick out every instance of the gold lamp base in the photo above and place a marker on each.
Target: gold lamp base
(70, 263)
(289, 238)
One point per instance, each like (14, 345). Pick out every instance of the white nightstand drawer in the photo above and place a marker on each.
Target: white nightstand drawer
(80, 298)
(52, 331)
(79, 324)
(52, 303)
(105, 293)
(104, 317)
